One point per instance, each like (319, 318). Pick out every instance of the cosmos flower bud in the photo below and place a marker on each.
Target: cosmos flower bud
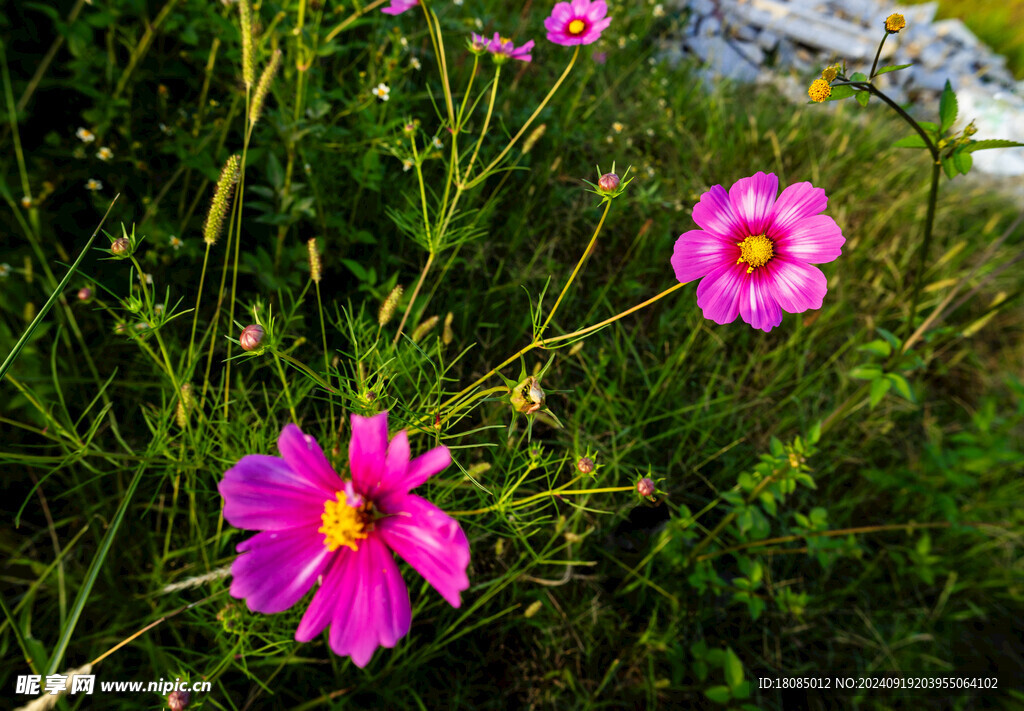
(894, 23)
(608, 182)
(251, 337)
(85, 294)
(178, 700)
(527, 397)
(645, 487)
(388, 306)
(120, 247)
(585, 465)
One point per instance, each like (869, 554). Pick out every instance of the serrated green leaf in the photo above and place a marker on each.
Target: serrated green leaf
(858, 76)
(963, 162)
(949, 168)
(733, 669)
(863, 97)
(913, 141)
(989, 144)
(877, 347)
(928, 126)
(866, 372)
(879, 388)
(902, 386)
(892, 68)
(841, 92)
(947, 107)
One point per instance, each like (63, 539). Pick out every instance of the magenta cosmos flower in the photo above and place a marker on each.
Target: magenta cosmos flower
(755, 252)
(577, 22)
(503, 49)
(397, 7)
(316, 527)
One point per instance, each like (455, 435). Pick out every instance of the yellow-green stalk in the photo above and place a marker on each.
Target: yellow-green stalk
(221, 200)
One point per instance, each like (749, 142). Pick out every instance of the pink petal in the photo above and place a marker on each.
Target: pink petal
(752, 199)
(580, 7)
(597, 10)
(796, 202)
(697, 253)
(335, 593)
(277, 568)
(379, 614)
(714, 214)
(796, 286)
(757, 305)
(263, 493)
(429, 540)
(425, 466)
(367, 451)
(816, 239)
(305, 457)
(718, 294)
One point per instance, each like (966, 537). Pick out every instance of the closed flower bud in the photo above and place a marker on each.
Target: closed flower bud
(527, 397)
(251, 337)
(645, 487)
(387, 308)
(608, 182)
(85, 294)
(120, 247)
(178, 700)
(585, 465)
(894, 23)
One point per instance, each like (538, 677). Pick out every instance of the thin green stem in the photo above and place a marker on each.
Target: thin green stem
(926, 241)
(284, 384)
(339, 28)
(579, 264)
(412, 299)
(543, 495)
(323, 335)
(487, 123)
(878, 54)
(867, 86)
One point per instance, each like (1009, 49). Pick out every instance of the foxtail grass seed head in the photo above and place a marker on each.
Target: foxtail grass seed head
(447, 335)
(533, 609)
(389, 305)
(178, 700)
(263, 88)
(608, 182)
(645, 487)
(185, 404)
(248, 63)
(121, 247)
(221, 200)
(251, 337)
(315, 266)
(894, 23)
(585, 465)
(819, 90)
(85, 295)
(535, 135)
(829, 74)
(527, 397)
(424, 328)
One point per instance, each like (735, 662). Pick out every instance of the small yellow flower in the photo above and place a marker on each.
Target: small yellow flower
(85, 135)
(104, 153)
(93, 184)
(406, 165)
(829, 74)
(894, 23)
(176, 243)
(617, 127)
(819, 90)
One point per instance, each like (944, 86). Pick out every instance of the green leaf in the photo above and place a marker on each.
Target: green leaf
(878, 347)
(866, 372)
(963, 162)
(863, 97)
(718, 694)
(892, 68)
(879, 388)
(858, 76)
(841, 92)
(947, 107)
(890, 337)
(989, 144)
(733, 669)
(913, 141)
(902, 386)
(814, 436)
(949, 168)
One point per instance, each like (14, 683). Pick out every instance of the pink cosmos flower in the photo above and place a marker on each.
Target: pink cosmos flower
(577, 22)
(317, 528)
(755, 252)
(503, 49)
(397, 7)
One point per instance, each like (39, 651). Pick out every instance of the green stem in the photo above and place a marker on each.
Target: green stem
(922, 260)
(412, 299)
(878, 54)
(352, 18)
(284, 383)
(487, 123)
(543, 495)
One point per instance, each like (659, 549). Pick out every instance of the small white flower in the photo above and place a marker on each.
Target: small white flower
(85, 135)
(167, 130)
(478, 22)
(436, 143)
(658, 11)
(649, 171)
(175, 243)
(307, 168)
(5, 270)
(26, 202)
(609, 139)
(149, 279)
(93, 184)
(458, 2)
(649, 132)
(104, 153)
(382, 91)
(415, 63)
(622, 42)
(404, 42)
(617, 127)
(406, 165)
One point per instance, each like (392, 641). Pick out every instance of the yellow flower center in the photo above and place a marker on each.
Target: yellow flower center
(895, 22)
(344, 525)
(756, 251)
(819, 90)
(576, 27)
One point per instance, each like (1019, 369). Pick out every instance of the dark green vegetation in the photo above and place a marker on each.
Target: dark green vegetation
(108, 500)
